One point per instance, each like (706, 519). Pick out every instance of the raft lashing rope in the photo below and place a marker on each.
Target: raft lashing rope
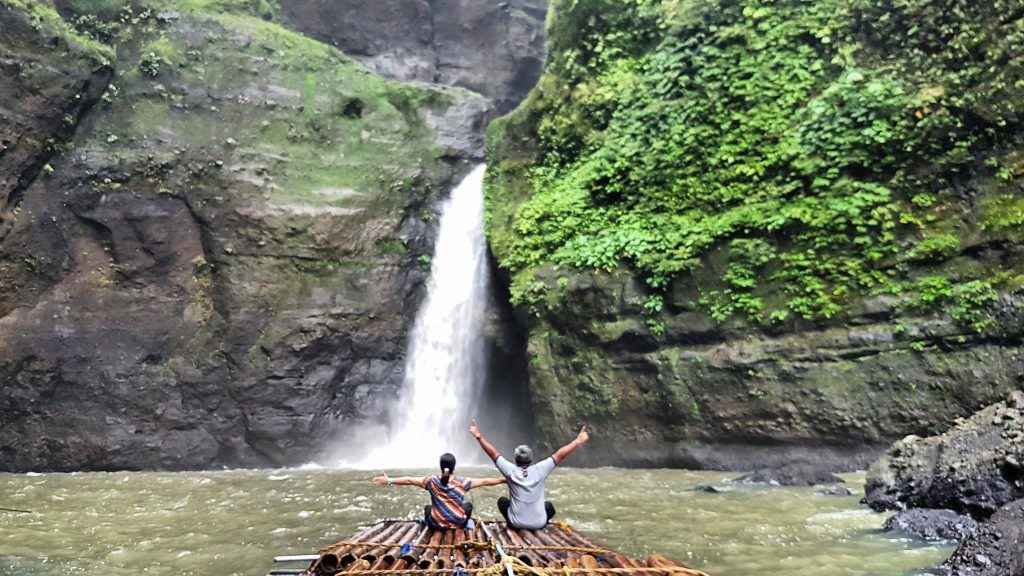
(408, 548)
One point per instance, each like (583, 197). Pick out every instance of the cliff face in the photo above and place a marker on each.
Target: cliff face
(750, 233)
(492, 47)
(213, 233)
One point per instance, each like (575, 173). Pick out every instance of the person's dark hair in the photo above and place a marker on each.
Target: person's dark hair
(447, 466)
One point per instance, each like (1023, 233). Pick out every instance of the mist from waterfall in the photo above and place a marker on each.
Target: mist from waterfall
(445, 365)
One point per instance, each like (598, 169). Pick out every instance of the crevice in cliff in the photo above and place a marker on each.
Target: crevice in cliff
(208, 245)
(436, 78)
(506, 403)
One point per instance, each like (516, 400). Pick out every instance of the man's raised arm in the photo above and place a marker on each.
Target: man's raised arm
(564, 451)
(491, 451)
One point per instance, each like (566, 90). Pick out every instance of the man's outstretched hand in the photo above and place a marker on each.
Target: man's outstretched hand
(583, 436)
(491, 451)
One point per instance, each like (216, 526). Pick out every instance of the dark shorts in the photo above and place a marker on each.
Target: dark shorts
(504, 503)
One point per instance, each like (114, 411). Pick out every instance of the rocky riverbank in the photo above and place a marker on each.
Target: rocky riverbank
(944, 484)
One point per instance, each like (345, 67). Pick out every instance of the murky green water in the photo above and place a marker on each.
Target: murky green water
(234, 522)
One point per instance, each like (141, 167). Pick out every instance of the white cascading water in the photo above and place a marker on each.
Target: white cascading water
(445, 361)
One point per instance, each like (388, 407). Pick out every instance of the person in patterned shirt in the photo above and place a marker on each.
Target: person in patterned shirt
(448, 507)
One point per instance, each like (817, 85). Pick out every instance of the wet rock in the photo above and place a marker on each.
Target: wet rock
(707, 488)
(835, 491)
(792, 474)
(995, 548)
(460, 128)
(973, 468)
(493, 48)
(932, 525)
(708, 393)
(727, 396)
(47, 84)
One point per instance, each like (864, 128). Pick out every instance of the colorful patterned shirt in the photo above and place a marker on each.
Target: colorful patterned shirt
(446, 510)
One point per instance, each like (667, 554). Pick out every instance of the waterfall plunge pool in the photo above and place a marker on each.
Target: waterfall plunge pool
(235, 522)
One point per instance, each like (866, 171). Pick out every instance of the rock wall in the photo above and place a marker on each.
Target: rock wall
(725, 396)
(738, 235)
(492, 47)
(213, 234)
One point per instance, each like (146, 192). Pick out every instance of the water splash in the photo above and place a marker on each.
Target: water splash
(445, 362)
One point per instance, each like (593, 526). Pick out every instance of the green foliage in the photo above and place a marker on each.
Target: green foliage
(935, 249)
(391, 246)
(150, 63)
(652, 307)
(747, 259)
(789, 134)
(968, 303)
(1004, 214)
(42, 16)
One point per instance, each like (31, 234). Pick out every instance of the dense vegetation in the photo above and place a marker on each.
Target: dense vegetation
(781, 157)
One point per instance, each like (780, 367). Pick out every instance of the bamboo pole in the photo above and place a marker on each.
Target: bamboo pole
(408, 533)
(560, 538)
(413, 554)
(385, 532)
(660, 561)
(478, 558)
(589, 562)
(550, 558)
(329, 563)
(528, 556)
(425, 556)
(415, 535)
(390, 546)
(458, 556)
(359, 565)
(444, 553)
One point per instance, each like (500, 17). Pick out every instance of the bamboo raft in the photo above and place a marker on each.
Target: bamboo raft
(408, 548)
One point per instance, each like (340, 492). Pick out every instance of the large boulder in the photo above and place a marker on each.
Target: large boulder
(974, 468)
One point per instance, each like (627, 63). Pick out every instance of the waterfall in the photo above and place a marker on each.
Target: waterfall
(445, 362)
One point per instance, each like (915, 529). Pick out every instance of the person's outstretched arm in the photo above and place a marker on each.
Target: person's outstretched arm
(398, 481)
(491, 451)
(485, 482)
(564, 451)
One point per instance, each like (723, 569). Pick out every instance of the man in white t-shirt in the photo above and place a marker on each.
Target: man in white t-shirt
(526, 507)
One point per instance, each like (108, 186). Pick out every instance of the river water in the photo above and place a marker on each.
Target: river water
(234, 522)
